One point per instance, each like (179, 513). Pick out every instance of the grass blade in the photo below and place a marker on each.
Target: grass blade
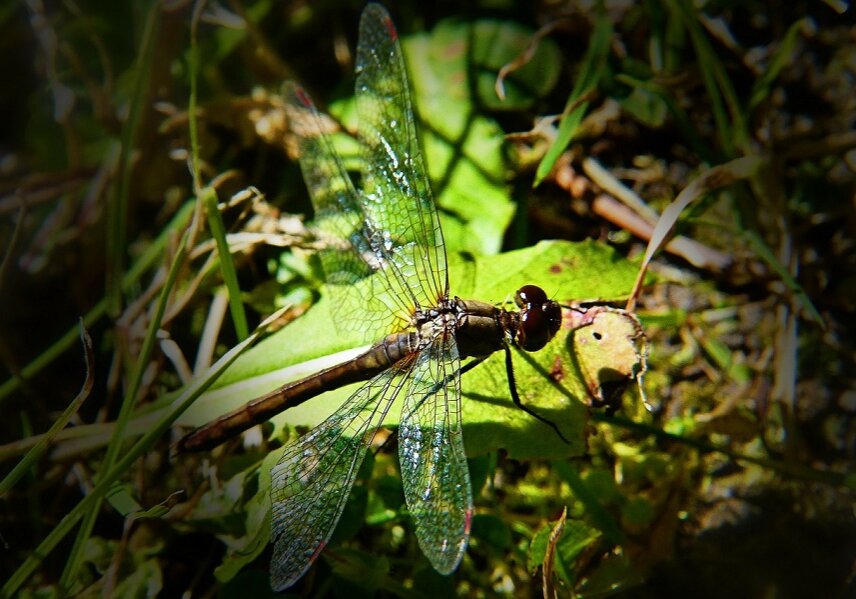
(38, 450)
(131, 278)
(227, 267)
(105, 483)
(118, 208)
(593, 68)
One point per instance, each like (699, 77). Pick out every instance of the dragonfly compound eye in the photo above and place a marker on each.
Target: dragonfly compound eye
(540, 318)
(528, 295)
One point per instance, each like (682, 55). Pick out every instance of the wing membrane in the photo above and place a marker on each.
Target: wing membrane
(362, 302)
(397, 193)
(392, 226)
(385, 247)
(311, 482)
(434, 470)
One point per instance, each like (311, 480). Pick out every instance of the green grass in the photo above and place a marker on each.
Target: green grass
(126, 210)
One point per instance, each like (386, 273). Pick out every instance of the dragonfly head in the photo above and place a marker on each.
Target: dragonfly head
(540, 318)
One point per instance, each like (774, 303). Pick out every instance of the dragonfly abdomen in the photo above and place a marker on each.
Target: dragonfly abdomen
(381, 356)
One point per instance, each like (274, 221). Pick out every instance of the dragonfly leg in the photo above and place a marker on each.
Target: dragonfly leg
(512, 386)
(472, 364)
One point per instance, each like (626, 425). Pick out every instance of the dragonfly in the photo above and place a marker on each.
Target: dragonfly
(386, 258)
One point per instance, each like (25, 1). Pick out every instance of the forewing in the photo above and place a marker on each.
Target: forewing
(311, 482)
(434, 468)
(346, 255)
(397, 194)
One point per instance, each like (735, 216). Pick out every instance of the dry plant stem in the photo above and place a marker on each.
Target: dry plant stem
(13, 242)
(524, 57)
(131, 278)
(548, 587)
(150, 435)
(612, 186)
(835, 144)
(112, 574)
(783, 389)
(173, 353)
(697, 254)
(768, 186)
(190, 289)
(210, 248)
(40, 189)
(728, 405)
(263, 50)
(138, 307)
(211, 330)
(83, 477)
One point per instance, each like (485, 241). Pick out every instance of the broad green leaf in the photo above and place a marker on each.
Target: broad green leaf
(546, 380)
(463, 150)
(575, 538)
(500, 43)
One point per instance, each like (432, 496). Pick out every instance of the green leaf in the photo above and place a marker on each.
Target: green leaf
(682, 120)
(122, 500)
(575, 538)
(463, 150)
(243, 549)
(500, 43)
(595, 510)
(646, 107)
(491, 421)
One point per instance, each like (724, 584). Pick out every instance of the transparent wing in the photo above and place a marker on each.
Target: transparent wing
(311, 482)
(392, 227)
(348, 258)
(397, 195)
(434, 468)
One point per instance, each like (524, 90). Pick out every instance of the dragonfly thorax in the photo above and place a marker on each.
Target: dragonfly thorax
(442, 319)
(482, 328)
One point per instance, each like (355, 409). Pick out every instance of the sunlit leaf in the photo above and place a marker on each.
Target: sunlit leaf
(546, 380)
(463, 149)
(499, 43)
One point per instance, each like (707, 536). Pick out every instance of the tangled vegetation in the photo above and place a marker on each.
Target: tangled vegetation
(155, 215)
